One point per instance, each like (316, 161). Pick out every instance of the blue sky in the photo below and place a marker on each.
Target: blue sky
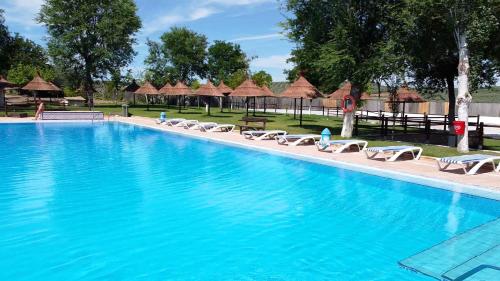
(254, 24)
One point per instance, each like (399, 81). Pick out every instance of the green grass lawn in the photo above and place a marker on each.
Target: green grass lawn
(311, 124)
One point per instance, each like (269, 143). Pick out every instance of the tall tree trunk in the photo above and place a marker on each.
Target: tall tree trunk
(348, 125)
(463, 98)
(88, 84)
(451, 108)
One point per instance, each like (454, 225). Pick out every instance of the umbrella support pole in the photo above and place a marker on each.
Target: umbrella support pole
(247, 104)
(300, 122)
(254, 105)
(294, 109)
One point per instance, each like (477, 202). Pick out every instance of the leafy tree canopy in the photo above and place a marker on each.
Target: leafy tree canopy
(92, 37)
(262, 78)
(225, 58)
(15, 50)
(339, 40)
(236, 78)
(181, 55)
(23, 73)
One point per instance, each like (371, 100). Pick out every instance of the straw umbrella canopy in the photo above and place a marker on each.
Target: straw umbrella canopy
(248, 89)
(37, 84)
(224, 89)
(166, 90)
(405, 95)
(4, 83)
(208, 90)
(341, 92)
(180, 89)
(301, 89)
(148, 90)
(131, 88)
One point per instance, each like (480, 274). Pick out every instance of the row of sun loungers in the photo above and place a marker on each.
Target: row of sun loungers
(195, 125)
(469, 163)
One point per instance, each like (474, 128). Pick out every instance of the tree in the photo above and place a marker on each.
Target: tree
(339, 40)
(4, 43)
(91, 37)
(236, 78)
(262, 78)
(195, 85)
(446, 39)
(23, 73)
(181, 54)
(16, 50)
(225, 58)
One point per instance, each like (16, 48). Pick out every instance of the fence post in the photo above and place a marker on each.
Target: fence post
(337, 108)
(386, 126)
(405, 123)
(477, 121)
(427, 131)
(382, 118)
(356, 125)
(480, 135)
(323, 111)
(445, 121)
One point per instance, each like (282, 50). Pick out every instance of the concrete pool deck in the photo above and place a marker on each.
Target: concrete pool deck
(423, 171)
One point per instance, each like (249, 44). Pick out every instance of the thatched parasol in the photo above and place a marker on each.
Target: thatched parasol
(167, 90)
(131, 88)
(341, 92)
(38, 84)
(4, 83)
(248, 89)
(180, 89)
(302, 89)
(224, 89)
(208, 90)
(148, 90)
(405, 95)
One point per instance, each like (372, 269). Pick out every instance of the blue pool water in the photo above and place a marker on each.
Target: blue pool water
(119, 202)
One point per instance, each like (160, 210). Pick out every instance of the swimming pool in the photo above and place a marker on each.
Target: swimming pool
(111, 201)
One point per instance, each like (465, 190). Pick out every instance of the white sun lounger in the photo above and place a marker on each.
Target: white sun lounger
(466, 161)
(395, 150)
(186, 123)
(263, 135)
(294, 140)
(338, 146)
(173, 121)
(218, 128)
(204, 125)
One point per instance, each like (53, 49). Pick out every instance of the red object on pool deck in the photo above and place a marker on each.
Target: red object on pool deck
(459, 127)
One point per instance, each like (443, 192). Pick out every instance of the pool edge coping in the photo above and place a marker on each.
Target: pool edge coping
(473, 190)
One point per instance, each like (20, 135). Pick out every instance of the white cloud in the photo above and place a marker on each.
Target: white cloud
(257, 37)
(274, 61)
(177, 16)
(22, 12)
